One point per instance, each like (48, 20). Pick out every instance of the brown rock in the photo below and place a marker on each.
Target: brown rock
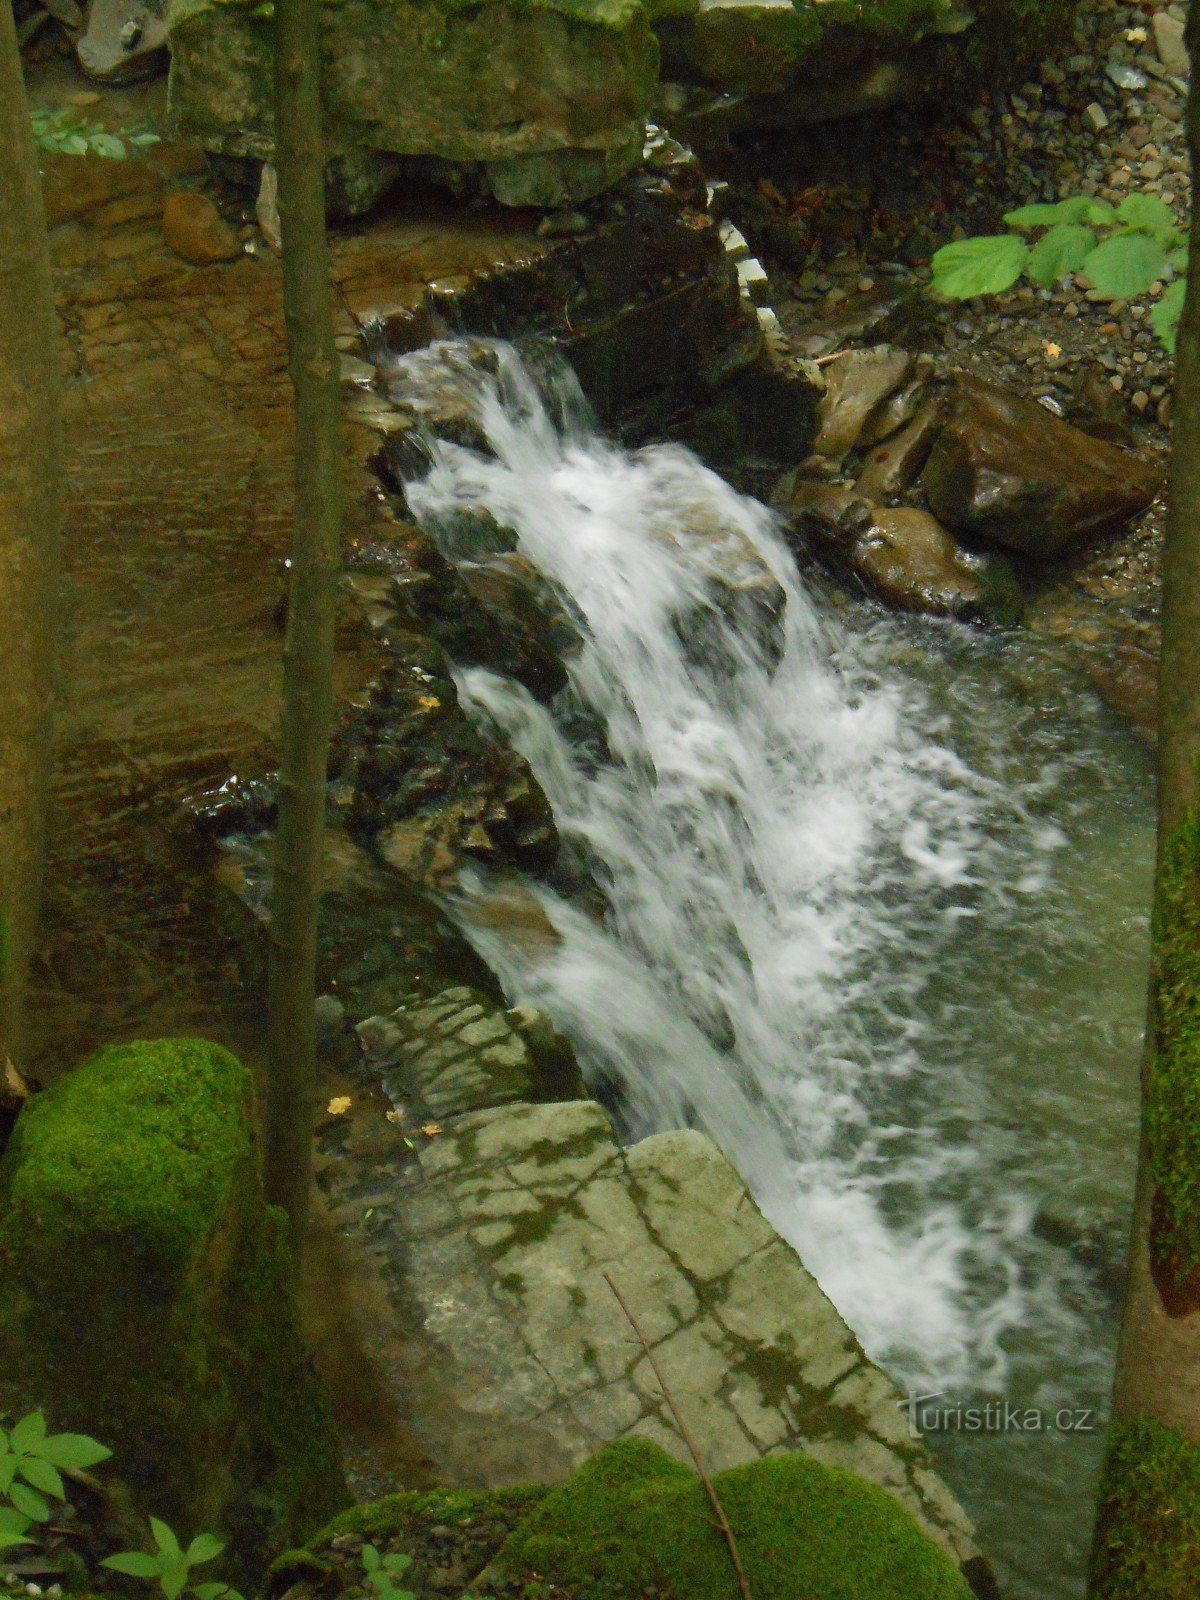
(832, 512)
(196, 231)
(1005, 469)
(855, 384)
(912, 563)
(894, 464)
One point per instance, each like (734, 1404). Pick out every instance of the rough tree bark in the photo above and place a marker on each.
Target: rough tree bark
(308, 646)
(1147, 1544)
(29, 529)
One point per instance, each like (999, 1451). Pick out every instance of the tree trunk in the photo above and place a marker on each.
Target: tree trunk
(29, 530)
(308, 646)
(1147, 1544)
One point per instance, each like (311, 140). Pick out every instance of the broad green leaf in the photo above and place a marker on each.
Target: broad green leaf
(42, 1476)
(987, 265)
(134, 1564)
(1164, 318)
(211, 1591)
(1125, 265)
(1179, 258)
(371, 1558)
(74, 145)
(12, 1521)
(107, 144)
(397, 1564)
(204, 1547)
(27, 1433)
(1060, 251)
(9, 1540)
(1077, 208)
(165, 1539)
(8, 1471)
(174, 1578)
(1146, 211)
(74, 1451)
(30, 1502)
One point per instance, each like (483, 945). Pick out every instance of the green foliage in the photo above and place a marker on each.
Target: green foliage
(1148, 1529)
(63, 133)
(1123, 253)
(381, 1572)
(31, 1464)
(171, 1565)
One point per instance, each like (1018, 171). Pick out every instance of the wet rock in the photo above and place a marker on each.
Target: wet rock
(767, 411)
(739, 588)
(552, 98)
(833, 513)
(909, 560)
(1127, 680)
(125, 40)
(1170, 44)
(856, 383)
(1005, 469)
(76, 186)
(197, 232)
(900, 407)
(893, 465)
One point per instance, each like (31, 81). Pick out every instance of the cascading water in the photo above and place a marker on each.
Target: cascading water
(842, 863)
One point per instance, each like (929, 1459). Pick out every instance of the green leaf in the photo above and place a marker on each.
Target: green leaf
(27, 1433)
(204, 1547)
(74, 1451)
(397, 1564)
(1125, 265)
(1146, 211)
(211, 1591)
(1077, 208)
(1164, 318)
(1058, 252)
(12, 1521)
(8, 1471)
(987, 265)
(1179, 258)
(134, 1564)
(371, 1559)
(30, 1502)
(174, 1577)
(74, 145)
(165, 1539)
(42, 1476)
(8, 1540)
(107, 144)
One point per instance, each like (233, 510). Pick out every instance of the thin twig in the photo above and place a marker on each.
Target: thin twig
(823, 361)
(722, 1519)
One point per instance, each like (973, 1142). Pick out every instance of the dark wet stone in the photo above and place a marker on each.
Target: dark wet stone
(909, 560)
(1003, 468)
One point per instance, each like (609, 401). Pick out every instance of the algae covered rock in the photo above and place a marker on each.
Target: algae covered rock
(632, 1522)
(145, 1296)
(552, 96)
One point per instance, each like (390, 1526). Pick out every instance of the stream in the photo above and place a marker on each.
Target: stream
(865, 898)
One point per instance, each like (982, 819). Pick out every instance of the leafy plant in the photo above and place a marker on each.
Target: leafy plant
(1123, 251)
(383, 1570)
(171, 1565)
(63, 133)
(31, 1465)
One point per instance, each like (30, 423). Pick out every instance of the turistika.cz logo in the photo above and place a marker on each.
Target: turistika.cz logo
(994, 1416)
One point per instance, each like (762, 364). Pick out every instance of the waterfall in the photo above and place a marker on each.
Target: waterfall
(821, 895)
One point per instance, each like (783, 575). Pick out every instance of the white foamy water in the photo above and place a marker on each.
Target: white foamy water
(831, 916)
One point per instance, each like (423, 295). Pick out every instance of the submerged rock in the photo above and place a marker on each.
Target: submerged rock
(551, 98)
(1003, 468)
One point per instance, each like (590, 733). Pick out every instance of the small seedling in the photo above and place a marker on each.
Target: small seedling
(383, 1570)
(31, 1465)
(171, 1565)
(63, 133)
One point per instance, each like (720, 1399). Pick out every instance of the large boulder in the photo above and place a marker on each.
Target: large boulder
(550, 96)
(146, 1298)
(1003, 468)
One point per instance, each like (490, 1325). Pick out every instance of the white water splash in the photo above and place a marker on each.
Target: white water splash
(791, 856)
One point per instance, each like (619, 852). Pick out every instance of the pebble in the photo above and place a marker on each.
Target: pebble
(1095, 118)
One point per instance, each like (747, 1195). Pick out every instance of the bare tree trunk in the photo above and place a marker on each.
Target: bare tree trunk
(308, 647)
(1147, 1544)
(29, 529)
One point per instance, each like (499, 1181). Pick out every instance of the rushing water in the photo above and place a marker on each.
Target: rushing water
(872, 916)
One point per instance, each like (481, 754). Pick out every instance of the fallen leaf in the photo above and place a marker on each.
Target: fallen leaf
(431, 1128)
(429, 702)
(1136, 35)
(1053, 351)
(339, 1105)
(394, 1116)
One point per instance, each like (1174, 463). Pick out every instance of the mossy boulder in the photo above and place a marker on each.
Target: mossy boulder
(551, 95)
(633, 1521)
(146, 1299)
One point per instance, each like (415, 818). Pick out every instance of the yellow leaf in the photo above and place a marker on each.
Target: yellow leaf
(429, 702)
(431, 1128)
(394, 1116)
(1053, 351)
(339, 1105)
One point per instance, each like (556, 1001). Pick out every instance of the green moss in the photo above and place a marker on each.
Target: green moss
(632, 1520)
(1172, 1106)
(145, 1295)
(1148, 1530)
